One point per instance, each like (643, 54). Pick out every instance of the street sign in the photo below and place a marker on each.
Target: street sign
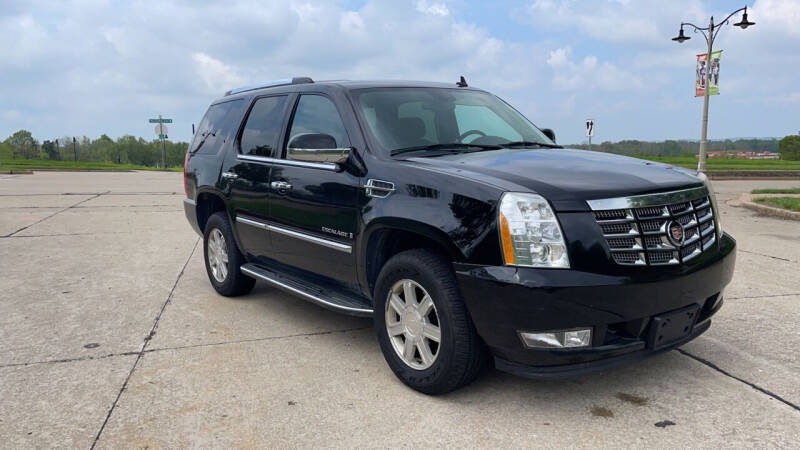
(162, 136)
(159, 120)
(161, 129)
(589, 127)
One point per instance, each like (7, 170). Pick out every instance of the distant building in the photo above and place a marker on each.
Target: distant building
(743, 154)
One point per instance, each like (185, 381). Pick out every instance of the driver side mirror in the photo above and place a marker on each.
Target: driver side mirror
(549, 133)
(316, 147)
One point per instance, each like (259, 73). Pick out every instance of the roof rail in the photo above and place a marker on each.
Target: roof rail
(272, 83)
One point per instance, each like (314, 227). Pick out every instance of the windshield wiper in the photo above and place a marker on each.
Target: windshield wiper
(530, 144)
(452, 146)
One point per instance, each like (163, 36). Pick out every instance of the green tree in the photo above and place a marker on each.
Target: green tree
(6, 150)
(49, 149)
(24, 145)
(104, 149)
(789, 147)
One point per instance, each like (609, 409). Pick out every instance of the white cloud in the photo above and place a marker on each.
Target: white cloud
(351, 22)
(589, 74)
(438, 9)
(216, 75)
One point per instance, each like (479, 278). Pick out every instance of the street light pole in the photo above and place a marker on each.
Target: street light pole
(712, 31)
(701, 157)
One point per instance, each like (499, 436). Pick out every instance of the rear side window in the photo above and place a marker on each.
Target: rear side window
(218, 126)
(260, 135)
(317, 114)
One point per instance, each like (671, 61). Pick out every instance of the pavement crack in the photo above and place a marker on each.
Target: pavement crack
(55, 213)
(67, 360)
(768, 256)
(741, 380)
(147, 340)
(763, 296)
(268, 338)
(62, 234)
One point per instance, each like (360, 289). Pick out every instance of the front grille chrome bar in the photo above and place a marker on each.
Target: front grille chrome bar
(637, 229)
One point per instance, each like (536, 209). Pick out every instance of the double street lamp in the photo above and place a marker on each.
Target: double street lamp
(710, 33)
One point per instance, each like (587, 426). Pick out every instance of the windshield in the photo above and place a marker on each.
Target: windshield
(416, 118)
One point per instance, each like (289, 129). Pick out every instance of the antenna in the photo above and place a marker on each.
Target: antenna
(462, 82)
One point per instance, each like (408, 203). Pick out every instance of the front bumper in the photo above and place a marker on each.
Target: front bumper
(504, 300)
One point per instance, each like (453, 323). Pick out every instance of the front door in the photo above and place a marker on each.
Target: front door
(313, 206)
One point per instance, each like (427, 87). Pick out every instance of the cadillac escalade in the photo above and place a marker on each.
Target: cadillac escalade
(467, 234)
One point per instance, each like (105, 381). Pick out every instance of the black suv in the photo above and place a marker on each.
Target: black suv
(464, 230)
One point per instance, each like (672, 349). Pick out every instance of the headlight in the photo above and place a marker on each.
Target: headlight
(529, 232)
(713, 197)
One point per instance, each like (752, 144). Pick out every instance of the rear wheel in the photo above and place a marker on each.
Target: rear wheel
(423, 327)
(223, 258)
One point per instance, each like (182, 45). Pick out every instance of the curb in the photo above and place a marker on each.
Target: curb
(746, 201)
(754, 174)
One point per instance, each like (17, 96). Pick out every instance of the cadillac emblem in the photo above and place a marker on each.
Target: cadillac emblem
(675, 233)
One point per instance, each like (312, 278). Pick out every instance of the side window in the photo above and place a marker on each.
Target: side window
(260, 135)
(317, 114)
(471, 117)
(217, 127)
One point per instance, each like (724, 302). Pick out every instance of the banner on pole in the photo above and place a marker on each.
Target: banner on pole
(710, 69)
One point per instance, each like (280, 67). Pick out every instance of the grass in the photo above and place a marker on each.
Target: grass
(36, 164)
(790, 203)
(719, 164)
(776, 191)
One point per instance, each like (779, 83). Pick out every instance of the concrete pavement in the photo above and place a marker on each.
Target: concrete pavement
(111, 335)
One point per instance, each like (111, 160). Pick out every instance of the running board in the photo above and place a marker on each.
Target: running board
(327, 298)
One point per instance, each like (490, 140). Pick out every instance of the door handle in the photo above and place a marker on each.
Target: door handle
(280, 185)
(229, 175)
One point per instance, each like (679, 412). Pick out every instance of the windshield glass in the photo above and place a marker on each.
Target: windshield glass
(404, 118)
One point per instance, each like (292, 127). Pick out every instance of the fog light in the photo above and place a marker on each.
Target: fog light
(558, 339)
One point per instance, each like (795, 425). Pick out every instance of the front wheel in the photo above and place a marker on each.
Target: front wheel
(223, 258)
(423, 327)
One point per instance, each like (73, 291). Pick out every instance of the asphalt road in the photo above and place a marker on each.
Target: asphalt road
(111, 335)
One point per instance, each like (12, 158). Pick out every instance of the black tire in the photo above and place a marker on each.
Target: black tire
(235, 282)
(461, 352)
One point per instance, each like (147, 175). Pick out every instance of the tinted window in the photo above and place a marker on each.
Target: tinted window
(317, 114)
(485, 120)
(218, 126)
(260, 135)
(412, 117)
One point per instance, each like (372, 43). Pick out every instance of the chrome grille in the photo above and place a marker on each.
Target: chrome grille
(638, 235)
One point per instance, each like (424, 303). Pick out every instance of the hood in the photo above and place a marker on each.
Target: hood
(566, 177)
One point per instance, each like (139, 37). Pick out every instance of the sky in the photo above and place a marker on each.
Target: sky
(91, 67)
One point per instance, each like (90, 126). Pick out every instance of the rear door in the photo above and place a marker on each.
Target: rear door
(313, 207)
(248, 174)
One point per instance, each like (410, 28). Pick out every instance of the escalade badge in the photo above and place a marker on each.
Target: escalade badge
(676, 233)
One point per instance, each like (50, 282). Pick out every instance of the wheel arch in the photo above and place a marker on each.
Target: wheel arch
(208, 203)
(386, 237)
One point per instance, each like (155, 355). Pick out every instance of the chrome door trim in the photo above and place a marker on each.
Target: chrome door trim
(296, 234)
(363, 311)
(252, 223)
(289, 162)
(313, 239)
(319, 155)
(657, 199)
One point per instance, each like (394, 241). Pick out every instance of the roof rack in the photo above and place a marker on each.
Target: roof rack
(272, 83)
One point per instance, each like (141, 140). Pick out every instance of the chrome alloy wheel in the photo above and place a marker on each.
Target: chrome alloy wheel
(413, 324)
(218, 255)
